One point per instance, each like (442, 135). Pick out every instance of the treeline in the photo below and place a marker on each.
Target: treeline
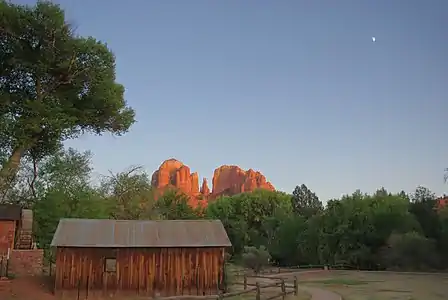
(378, 231)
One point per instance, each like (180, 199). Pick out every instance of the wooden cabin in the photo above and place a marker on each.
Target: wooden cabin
(10, 216)
(153, 258)
(16, 228)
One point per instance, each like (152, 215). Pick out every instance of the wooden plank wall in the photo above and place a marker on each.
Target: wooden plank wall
(7, 232)
(154, 271)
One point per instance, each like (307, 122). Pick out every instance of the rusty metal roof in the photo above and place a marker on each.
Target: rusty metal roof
(127, 233)
(10, 212)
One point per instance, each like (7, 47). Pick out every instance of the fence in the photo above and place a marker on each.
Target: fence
(279, 270)
(258, 290)
(286, 288)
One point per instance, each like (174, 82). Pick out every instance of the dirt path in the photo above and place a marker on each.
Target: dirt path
(316, 293)
(320, 294)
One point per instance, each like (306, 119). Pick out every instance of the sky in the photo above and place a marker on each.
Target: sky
(295, 89)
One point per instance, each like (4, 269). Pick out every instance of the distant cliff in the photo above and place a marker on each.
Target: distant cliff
(227, 180)
(231, 180)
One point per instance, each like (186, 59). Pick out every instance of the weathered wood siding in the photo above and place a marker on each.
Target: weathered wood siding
(148, 271)
(7, 232)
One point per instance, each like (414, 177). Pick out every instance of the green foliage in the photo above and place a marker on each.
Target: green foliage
(248, 217)
(410, 251)
(367, 231)
(424, 207)
(63, 191)
(173, 205)
(382, 230)
(354, 228)
(287, 247)
(129, 195)
(305, 202)
(58, 203)
(443, 237)
(54, 85)
(256, 258)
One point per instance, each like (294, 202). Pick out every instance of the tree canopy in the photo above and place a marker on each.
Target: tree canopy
(54, 85)
(305, 202)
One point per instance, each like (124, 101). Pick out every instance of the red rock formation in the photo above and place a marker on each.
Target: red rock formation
(231, 180)
(442, 201)
(227, 180)
(194, 178)
(204, 188)
(174, 174)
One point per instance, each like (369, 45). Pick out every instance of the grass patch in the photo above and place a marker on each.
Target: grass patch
(358, 285)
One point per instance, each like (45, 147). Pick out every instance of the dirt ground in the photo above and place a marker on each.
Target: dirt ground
(351, 285)
(269, 292)
(32, 288)
(356, 285)
(38, 288)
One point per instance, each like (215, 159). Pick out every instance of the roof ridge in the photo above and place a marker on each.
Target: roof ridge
(111, 233)
(120, 220)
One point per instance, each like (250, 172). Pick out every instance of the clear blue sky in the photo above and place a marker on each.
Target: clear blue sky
(295, 89)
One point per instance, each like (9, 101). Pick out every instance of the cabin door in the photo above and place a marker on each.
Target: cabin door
(110, 276)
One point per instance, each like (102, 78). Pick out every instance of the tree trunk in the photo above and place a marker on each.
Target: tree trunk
(9, 170)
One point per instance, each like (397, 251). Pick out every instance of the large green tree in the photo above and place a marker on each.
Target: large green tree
(251, 218)
(354, 228)
(305, 202)
(129, 195)
(173, 205)
(63, 190)
(54, 85)
(424, 207)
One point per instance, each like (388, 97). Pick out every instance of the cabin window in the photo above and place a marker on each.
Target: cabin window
(110, 265)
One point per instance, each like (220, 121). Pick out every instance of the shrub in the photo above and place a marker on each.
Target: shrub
(256, 258)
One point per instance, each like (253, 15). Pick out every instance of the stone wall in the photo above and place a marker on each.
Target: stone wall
(26, 262)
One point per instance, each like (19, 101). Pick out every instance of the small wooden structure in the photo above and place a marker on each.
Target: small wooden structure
(16, 228)
(169, 257)
(10, 216)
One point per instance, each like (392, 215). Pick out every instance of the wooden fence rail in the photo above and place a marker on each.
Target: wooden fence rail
(279, 270)
(286, 288)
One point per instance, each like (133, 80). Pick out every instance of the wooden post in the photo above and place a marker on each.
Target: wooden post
(296, 286)
(87, 287)
(283, 290)
(79, 287)
(245, 281)
(105, 275)
(258, 296)
(197, 281)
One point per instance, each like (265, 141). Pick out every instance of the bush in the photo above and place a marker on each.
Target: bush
(410, 251)
(256, 258)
